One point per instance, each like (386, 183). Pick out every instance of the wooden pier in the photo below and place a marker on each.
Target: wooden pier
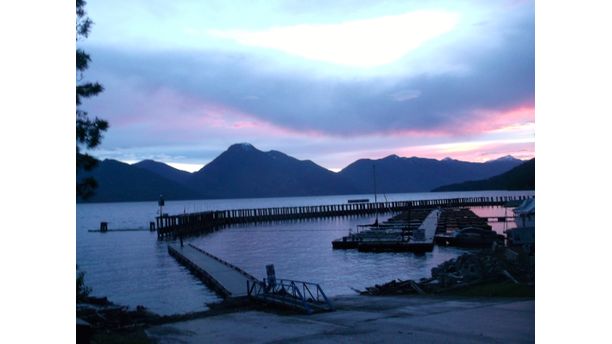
(226, 279)
(172, 225)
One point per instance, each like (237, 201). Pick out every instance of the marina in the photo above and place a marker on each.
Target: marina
(134, 267)
(417, 231)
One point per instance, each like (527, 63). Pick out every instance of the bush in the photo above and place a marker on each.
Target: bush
(82, 291)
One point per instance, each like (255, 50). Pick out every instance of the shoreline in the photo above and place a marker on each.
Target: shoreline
(142, 326)
(472, 285)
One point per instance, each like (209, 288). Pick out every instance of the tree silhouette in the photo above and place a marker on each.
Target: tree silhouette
(88, 131)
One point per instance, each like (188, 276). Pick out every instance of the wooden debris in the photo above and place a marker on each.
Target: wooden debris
(507, 274)
(416, 287)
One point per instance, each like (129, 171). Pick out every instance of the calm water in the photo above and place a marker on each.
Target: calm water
(134, 268)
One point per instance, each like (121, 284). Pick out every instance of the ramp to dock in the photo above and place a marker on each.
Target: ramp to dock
(225, 278)
(422, 239)
(427, 230)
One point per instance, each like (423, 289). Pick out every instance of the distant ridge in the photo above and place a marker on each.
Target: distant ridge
(165, 171)
(121, 182)
(397, 174)
(521, 177)
(243, 171)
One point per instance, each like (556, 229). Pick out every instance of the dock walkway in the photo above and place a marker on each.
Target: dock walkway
(225, 278)
(423, 238)
(232, 282)
(169, 226)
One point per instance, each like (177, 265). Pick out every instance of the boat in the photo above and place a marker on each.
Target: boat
(374, 225)
(354, 240)
(347, 242)
(470, 237)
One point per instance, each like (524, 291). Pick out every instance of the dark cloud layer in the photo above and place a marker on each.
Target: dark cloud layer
(496, 78)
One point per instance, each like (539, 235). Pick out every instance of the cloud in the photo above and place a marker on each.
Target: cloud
(497, 78)
(475, 81)
(478, 151)
(402, 96)
(365, 43)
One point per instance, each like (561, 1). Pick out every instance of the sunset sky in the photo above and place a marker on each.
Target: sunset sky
(329, 81)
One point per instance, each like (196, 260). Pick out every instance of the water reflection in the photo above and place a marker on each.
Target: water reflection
(134, 268)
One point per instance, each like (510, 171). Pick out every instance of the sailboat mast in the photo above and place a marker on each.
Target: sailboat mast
(374, 174)
(375, 198)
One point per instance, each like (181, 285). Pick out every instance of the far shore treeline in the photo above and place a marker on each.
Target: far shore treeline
(243, 171)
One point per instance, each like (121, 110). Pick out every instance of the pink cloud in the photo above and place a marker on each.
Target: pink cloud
(180, 117)
(492, 120)
(481, 121)
(419, 132)
(476, 151)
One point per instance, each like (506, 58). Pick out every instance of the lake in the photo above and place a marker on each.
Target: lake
(134, 268)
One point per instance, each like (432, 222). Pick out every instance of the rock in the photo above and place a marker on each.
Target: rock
(84, 331)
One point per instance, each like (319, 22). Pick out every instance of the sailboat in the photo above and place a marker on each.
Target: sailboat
(375, 224)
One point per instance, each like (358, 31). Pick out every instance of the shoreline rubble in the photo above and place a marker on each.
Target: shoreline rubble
(470, 269)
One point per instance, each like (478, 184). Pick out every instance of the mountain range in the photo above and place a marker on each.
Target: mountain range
(521, 177)
(243, 171)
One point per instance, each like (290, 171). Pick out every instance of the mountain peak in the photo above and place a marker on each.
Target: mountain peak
(505, 158)
(243, 146)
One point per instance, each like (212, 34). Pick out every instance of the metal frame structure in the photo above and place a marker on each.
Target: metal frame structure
(306, 296)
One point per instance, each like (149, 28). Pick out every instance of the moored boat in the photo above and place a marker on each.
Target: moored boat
(470, 237)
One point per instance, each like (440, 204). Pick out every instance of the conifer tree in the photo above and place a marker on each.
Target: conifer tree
(88, 130)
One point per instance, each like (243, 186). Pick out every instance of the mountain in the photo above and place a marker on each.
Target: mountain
(165, 171)
(121, 182)
(507, 158)
(244, 171)
(521, 177)
(397, 174)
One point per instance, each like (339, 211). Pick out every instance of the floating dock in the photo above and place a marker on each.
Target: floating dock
(229, 281)
(420, 239)
(226, 279)
(389, 235)
(457, 218)
(418, 230)
(404, 232)
(423, 238)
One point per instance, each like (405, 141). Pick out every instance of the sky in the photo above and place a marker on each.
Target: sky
(328, 81)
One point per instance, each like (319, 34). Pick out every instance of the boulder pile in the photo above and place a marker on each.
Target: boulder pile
(466, 270)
